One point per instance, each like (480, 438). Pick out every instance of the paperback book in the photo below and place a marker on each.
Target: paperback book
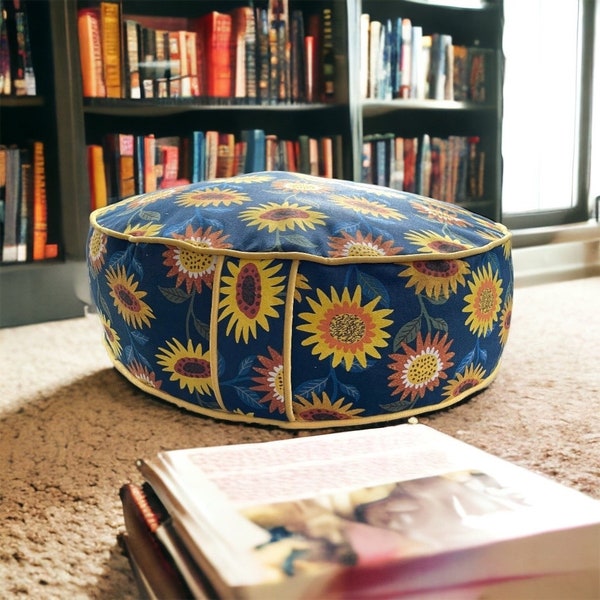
(395, 512)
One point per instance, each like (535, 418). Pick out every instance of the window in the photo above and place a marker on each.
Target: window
(547, 133)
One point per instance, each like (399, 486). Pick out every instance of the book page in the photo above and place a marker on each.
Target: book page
(278, 471)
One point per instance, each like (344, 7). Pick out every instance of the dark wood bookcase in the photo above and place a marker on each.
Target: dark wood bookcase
(67, 122)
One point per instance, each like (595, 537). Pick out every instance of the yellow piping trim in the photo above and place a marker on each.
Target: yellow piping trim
(213, 333)
(287, 341)
(340, 260)
(250, 419)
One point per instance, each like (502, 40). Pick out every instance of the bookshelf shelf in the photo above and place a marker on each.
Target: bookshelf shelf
(166, 106)
(378, 107)
(68, 122)
(21, 101)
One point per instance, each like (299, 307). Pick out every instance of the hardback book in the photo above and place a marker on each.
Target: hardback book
(110, 31)
(24, 226)
(255, 140)
(400, 511)
(12, 204)
(40, 202)
(119, 153)
(23, 81)
(5, 74)
(214, 30)
(97, 176)
(90, 52)
(132, 47)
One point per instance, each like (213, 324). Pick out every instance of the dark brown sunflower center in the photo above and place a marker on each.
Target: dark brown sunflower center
(249, 291)
(193, 367)
(283, 214)
(127, 298)
(347, 328)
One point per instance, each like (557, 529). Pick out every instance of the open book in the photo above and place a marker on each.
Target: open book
(397, 511)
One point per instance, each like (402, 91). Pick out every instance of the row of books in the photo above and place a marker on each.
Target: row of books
(245, 55)
(126, 164)
(23, 204)
(17, 76)
(447, 168)
(398, 60)
(402, 511)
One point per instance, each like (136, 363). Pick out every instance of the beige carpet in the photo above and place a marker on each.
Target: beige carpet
(71, 429)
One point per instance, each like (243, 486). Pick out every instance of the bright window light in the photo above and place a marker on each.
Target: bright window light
(539, 134)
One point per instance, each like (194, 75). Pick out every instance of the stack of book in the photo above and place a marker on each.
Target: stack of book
(400, 511)
(244, 55)
(448, 168)
(398, 60)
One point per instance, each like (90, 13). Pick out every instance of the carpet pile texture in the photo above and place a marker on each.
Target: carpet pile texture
(71, 429)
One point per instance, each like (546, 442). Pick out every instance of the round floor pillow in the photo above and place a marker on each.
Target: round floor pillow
(299, 301)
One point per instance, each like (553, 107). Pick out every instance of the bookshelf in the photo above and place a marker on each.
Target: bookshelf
(68, 122)
(42, 290)
(467, 113)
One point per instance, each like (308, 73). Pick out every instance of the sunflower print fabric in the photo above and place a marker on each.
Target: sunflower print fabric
(299, 301)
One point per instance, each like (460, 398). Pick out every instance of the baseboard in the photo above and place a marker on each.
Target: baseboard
(562, 253)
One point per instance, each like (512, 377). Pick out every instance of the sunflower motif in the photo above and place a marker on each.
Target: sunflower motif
(420, 369)
(143, 230)
(96, 250)
(323, 409)
(301, 185)
(282, 217)
(215, 196)
(341, 327)
(490, 225)
(505, 320)
(440, 213)
(436, 243)
(144, 375)
(348, 245)
(271, 381)
(484, 301)
(250, 178)
(372, 208)
(191, 267)
(250, 294)
(436, 277)
(188, 365)
(472, 377)
(128, 300)
(301, 284)
(111, 336)
(151, 197)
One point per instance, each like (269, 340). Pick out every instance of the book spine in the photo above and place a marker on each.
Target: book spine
(250, 58)
(174, 65)
(40, 202)
(126, 165)
(212, 149)
(26, 73)
(90, 52)
(131, 35)
(12, 204)
(110, 28)
(161, 78)
(5, 74)
(142, 522)
(262, 55)
(97, 176)
(328, 56)
(150, 182)
(24, 229)
(216, 31)
(184, 64)
(191, 39)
